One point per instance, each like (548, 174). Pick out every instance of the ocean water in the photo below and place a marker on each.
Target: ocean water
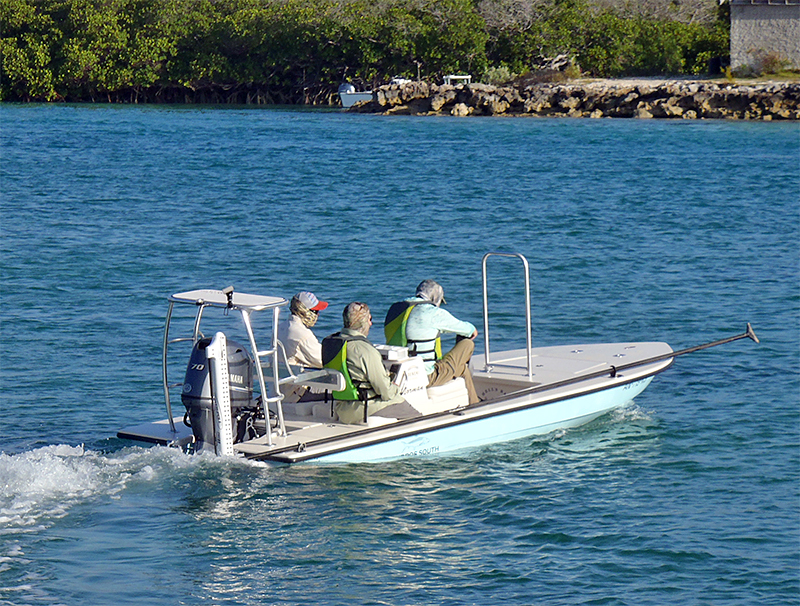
(634, 230)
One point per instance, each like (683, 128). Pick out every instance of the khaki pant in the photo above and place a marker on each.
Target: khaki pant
(455, 363)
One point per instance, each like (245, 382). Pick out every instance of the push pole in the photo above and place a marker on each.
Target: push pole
(749, 333)
(612, 371)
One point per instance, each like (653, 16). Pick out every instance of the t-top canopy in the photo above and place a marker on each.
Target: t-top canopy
(218, 298)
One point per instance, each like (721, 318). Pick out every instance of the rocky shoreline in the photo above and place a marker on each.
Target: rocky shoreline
(684, 99)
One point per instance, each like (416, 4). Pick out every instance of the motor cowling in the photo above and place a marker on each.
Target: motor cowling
(197, 397)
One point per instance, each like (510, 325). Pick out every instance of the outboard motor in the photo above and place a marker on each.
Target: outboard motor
(196, 396)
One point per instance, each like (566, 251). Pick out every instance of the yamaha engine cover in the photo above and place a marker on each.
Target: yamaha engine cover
(196, 396)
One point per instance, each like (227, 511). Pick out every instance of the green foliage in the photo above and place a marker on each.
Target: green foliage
(498, 75)
(298, 50)
(28, 38)
(605, 44)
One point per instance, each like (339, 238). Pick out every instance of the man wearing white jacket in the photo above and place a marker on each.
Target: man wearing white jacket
(302, 346)
(426, 321)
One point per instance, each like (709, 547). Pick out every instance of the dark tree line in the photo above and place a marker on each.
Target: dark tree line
(298, 51)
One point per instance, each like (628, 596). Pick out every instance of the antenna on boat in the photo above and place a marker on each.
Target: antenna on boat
(749, 333)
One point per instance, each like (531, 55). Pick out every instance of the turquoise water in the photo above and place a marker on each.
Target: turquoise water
(635, 230)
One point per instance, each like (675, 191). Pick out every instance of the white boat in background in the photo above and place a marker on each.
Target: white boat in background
(524, 392)
(349, 96)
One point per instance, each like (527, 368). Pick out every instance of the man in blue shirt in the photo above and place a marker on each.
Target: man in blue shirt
(426, 321)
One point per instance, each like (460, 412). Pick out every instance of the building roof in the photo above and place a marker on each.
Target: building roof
(768, 2)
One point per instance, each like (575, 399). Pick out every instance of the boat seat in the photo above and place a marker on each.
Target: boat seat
(448, 396)
(309, 411)
(322, 411)
(377, 421)
(296, 409)
(451, 387)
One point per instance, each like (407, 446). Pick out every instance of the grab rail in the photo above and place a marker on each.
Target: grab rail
(196, 334)
(487, 363)
(164, 381)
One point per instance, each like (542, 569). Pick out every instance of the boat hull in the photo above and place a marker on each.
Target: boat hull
(567, 386)
(538, 419)
(350, 99)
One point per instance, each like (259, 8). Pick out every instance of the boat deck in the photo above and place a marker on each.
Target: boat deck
(508, 370)
(503, 387)
(567, 387)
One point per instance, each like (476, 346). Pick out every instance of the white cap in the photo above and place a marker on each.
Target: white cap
(309, 299)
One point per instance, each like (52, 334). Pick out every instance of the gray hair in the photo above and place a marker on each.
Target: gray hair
(357, 316)
(431, 291)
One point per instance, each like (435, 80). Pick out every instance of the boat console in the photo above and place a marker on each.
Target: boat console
(409, 374)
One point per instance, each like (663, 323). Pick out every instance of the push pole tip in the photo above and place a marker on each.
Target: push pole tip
(750, 333)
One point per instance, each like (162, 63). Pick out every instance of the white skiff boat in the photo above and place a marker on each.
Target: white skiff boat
(349, 96)
(524, 392)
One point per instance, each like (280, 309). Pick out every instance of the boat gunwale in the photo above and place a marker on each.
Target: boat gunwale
(459, 415)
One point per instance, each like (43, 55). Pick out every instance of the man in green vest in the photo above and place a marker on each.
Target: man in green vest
(368, 382)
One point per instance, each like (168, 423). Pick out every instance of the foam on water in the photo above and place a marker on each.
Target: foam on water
(44, 484)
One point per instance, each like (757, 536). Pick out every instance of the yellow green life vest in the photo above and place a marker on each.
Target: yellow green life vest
(334, 356)
(394, 327)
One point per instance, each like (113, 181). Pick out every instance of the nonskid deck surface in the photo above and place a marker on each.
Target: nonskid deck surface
(557, 363)
(496, 385)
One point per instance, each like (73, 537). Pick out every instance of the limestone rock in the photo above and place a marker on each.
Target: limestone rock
(668, 99)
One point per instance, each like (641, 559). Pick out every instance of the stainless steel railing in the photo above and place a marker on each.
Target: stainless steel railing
(487, 361)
